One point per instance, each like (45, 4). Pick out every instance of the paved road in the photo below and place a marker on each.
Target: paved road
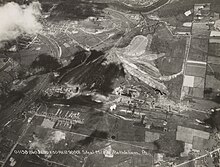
(188, 44)
(121, 15)
(56, 51)
(197, 158)
(18, 141)
(145, 9)
(31, 96)
(26, 101)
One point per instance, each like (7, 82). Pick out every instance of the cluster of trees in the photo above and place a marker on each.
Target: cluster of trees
(46, 63)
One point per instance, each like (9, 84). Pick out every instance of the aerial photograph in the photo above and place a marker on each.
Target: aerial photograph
(109, 83)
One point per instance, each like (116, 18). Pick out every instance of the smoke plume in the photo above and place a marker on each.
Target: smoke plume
(16, 20)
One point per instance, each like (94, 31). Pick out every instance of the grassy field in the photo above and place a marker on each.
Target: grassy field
(174, 49)
(174, 87)
(171, 63)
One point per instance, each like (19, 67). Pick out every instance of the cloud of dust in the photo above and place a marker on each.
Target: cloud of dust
(16, 20)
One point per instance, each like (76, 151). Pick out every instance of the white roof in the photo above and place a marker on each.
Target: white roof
(108, 152)
(215, 34)
(187, 13)
(196, 62)
(188, 81)
(217, 24)
(187, 24)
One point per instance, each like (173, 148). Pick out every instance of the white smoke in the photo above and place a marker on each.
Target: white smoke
(57, 136)
(16, 20)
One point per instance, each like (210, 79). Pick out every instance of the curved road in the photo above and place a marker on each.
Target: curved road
(144, 9)
(52, 44)
(56, 51)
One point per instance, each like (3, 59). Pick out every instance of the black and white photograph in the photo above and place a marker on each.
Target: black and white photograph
(109, 83)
